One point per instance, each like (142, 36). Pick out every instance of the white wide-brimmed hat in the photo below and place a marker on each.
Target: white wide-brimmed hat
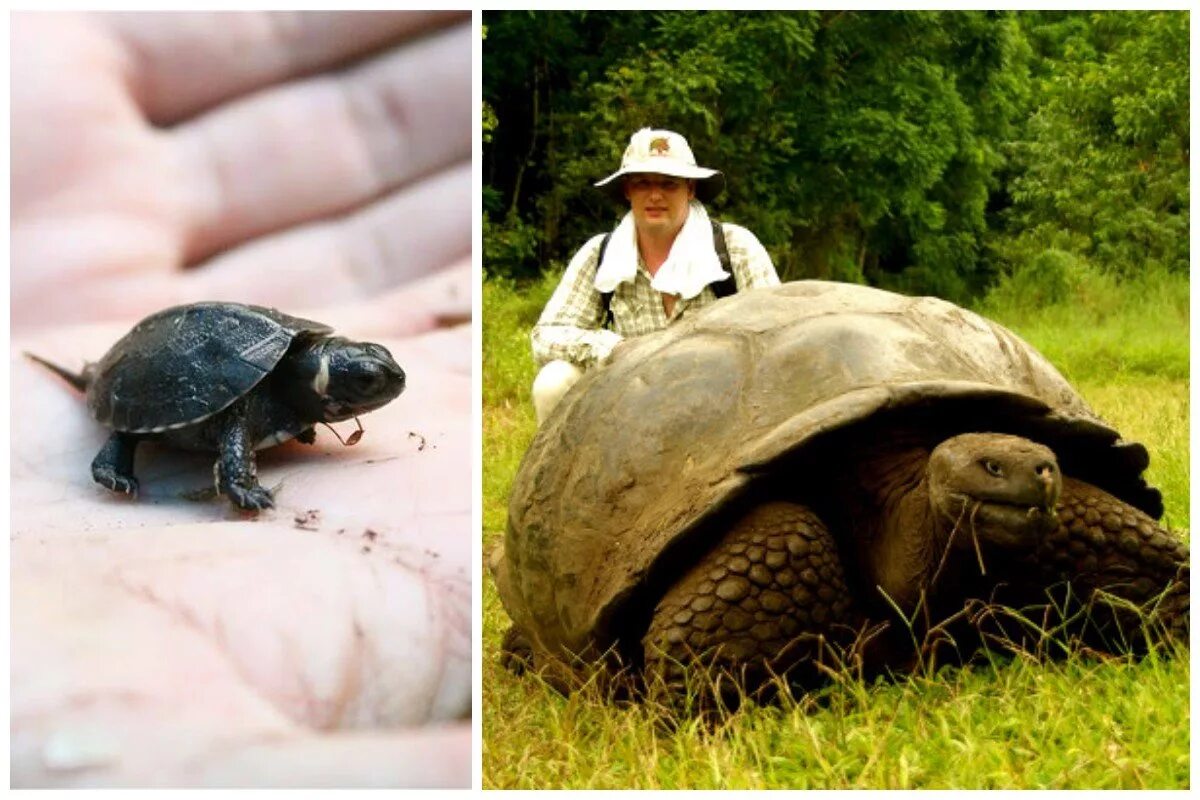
(663, 153)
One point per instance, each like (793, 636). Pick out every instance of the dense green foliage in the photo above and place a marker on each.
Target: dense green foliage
(1101, 170)
(930, 152)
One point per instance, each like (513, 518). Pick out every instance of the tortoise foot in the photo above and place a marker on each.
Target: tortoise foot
(769, 600)
(252, 498)
(111, 479)
(516, 653)
(113, 465)
(518, 656)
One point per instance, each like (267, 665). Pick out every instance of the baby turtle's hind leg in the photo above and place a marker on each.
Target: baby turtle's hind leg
(113, 465)
(236, 471)
(770, 599)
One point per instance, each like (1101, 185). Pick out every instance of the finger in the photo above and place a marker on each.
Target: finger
(440, 300)
(362, 257)
(69, 107)
(434, 758)
(183, 63)
(406, 235)
(325, 145)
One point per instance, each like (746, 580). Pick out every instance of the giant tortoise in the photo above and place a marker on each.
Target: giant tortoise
(793, 470)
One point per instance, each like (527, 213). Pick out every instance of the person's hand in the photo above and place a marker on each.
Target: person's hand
(165, 158)
(170, 639)
(618, 343)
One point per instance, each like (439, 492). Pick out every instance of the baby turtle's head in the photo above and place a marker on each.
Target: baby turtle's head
(331, 379)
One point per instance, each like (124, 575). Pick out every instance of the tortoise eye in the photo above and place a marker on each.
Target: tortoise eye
(993, 467)
(368, 380)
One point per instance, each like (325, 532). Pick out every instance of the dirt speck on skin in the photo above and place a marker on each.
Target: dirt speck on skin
(421, 443)
(366, 549)
(370, 535)
(309, 520)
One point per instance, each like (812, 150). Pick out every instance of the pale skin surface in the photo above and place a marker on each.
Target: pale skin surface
(171, 640)
(659, 204)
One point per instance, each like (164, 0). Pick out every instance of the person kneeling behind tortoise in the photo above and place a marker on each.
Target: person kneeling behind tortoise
(666, 259)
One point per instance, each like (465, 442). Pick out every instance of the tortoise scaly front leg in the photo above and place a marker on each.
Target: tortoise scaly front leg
(769, 599)
(1103, 545)
(236, 470)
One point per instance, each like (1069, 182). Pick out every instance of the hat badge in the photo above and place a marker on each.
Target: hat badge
(659, 146)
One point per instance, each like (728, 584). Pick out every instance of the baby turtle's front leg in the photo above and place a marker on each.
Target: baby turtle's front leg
(113, 465)
(236, 471)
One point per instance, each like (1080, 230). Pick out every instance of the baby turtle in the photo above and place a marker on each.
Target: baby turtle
(231, 379)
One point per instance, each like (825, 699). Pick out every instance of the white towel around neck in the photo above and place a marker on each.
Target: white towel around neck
(691, 265)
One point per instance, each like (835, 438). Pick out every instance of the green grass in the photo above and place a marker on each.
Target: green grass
(1019, 724)
(509, 312)
(1104, 331)
(1012, 723)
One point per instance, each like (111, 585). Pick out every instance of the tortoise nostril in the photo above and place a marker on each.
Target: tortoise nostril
(1046, 475)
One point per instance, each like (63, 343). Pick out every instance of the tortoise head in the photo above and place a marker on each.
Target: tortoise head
(1002, 488)
(329, 379)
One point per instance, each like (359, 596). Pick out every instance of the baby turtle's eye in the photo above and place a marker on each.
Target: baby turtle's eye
(993, 467)
(368, 380)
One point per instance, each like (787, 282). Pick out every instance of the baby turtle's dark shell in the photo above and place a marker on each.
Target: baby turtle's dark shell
(186, 363)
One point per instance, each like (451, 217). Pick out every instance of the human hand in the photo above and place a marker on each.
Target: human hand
(175, 641)
(166, 158)
(615, 343)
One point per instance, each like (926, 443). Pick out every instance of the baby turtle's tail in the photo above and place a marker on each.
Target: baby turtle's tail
(79, 381)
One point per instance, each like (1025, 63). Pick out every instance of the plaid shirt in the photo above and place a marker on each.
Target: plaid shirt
(571, 327)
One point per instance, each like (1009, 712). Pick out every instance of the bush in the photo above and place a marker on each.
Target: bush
(1092, 324)
(509, 247)
(510, 310)
(1048, 278)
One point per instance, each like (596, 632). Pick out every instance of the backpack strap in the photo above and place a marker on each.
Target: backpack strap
(605, 297)
(720, 288)
(729, 285)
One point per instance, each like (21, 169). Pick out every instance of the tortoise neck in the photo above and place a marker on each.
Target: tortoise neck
(899, 539)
